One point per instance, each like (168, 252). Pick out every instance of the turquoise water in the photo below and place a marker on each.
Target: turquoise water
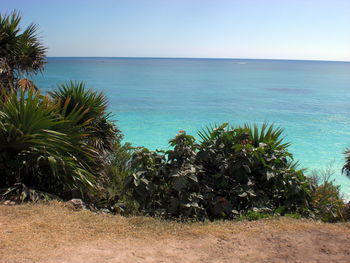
(153, 99)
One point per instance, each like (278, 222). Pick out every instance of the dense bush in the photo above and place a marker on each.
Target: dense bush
(50, 145)
(102, 134)
(111, 194)
(229, 172)
(327, 202)
(64, 145)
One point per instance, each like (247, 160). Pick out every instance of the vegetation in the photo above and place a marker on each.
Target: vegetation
(100, 133)
(231, 171)
(327, 203)
(61, 144)
(21, 52)
(43, 148)
(64, 145)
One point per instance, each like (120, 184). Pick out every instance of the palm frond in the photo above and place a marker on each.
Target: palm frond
(21, 51)
(266, 133)
(36, 143)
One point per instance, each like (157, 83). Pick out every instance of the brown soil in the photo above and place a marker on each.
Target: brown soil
(52, 233)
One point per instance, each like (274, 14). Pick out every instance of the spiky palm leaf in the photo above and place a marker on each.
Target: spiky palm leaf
(75, 94)
(101, 132)
(39, 147)
(21, 51)
(346, 167)
(211, 132)
(266, 133)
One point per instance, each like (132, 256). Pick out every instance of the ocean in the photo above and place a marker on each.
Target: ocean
(153, 98)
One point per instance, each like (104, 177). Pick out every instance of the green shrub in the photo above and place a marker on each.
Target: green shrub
(294, 216)
(228, 173)
(327, 202)
(63, 143)
(253, 215)
(148, 185)
(102, 133)
(59, 144)
(22, 193)
(40, 148)
(111, 194)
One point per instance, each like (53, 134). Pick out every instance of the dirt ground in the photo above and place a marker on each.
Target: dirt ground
(53, 233)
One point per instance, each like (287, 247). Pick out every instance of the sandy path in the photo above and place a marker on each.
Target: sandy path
(309, 246)
(52, 234)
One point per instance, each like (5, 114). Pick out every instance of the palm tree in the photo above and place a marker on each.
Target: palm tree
(41, 148)
(21, 51)
(101, 133)
(346, 167)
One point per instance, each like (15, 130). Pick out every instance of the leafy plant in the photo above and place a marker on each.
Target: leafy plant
(102, 133)
(40, 148)
(63, 143)
(111, 194)
(294, 216)
(21, 193)
(232, 170)
(346, 167)
(147, 184)
(327, 202)
(253, 215)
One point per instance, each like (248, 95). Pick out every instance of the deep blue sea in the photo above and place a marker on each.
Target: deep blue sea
(154, 98)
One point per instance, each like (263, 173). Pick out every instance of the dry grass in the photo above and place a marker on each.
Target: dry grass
(32, 233)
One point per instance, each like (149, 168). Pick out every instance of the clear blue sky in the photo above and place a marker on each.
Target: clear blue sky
(276, 29)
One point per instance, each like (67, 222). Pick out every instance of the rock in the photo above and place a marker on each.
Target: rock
(104, 211)
(9, 202)
(75, 204)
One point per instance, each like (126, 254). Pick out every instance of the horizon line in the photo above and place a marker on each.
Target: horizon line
(145, 57)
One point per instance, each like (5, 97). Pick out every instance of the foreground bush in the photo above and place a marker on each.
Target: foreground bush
(62, 144)
(232, 170)
(327, 202)
(50, 145)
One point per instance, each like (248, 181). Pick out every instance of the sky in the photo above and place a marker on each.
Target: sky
(263, 29)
